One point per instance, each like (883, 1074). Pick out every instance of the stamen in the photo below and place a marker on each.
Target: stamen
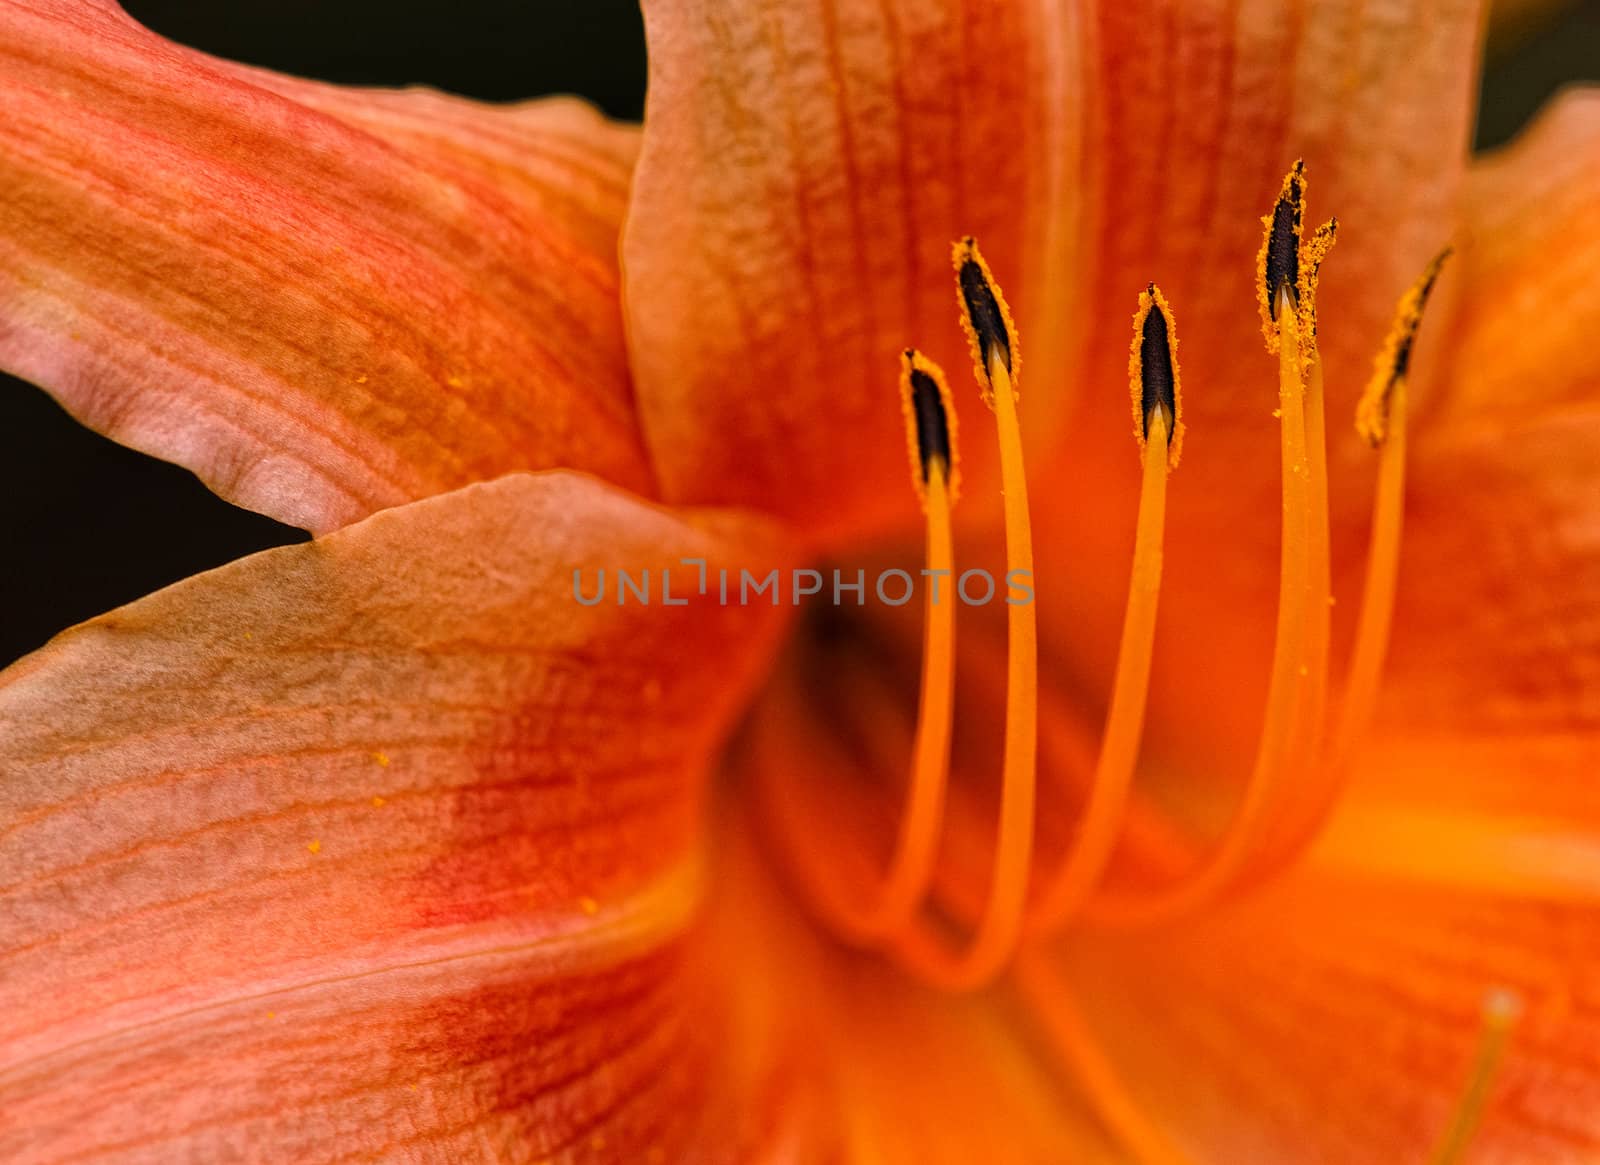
(1311, 718)
(1279, 259)
(1050, 998)
(875, 912)
(1501, 1010)
(988, 323)
(1158, 412)
(1394, 358)
(1381, 419)
(1286, 687)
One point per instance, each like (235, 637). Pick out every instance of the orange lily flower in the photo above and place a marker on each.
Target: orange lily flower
(394, 846)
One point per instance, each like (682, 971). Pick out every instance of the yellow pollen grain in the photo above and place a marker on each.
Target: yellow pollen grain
(1312, 254)
(314, 845)
(1393, 361)
(588, 905)
(382, 758)
(378, 802)
(455, 381)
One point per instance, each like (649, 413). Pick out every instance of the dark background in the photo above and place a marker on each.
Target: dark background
(88, 525)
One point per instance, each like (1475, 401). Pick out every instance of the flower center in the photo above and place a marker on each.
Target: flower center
(1300, 761)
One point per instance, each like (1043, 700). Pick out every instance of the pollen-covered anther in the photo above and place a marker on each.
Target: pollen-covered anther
(1314, 251)
(930, 424)
(1278, 264)
(1153, 373)
(985, 318)
(1393, 361)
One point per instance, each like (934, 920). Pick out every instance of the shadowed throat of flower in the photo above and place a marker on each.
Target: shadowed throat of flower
(1307, 738)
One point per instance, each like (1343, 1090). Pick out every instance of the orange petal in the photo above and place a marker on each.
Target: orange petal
(1199, 111)
(875, 1068)
(1491, 702)
(382, 844)
(323, 302)
(1524, 340)
(1336, 1020)
(803, 173)
(1496, 635)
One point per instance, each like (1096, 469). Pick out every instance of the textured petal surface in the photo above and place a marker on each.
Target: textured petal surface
(805, 168)
(1524, 342)
(1342, 1016)
(379, 845)
(323, 302)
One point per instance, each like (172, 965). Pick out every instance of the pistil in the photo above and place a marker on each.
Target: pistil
(1049, 997)
(1501, 1010)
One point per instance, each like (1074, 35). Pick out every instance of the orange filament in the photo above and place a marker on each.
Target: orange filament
(873, 912)
(870, 913)
(1316, 782)
(1285, 704)
(1377, 592)
(1079, 875)
(1313, 726)
(911, 870)
(1080, 872)
(1050, 999)
(1381, 419)
(1000, 923)
(1501, 1009)
(1320, 584)
(1372, 635)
